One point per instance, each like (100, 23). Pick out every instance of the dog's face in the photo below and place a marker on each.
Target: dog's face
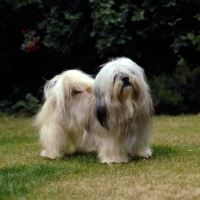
(126, 87)
(119, 90)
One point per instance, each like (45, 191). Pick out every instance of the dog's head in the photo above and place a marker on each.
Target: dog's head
(120, 91)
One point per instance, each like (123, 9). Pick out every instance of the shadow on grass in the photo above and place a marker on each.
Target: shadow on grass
(81, 157)
(159, 151)
(164, 151)
(18, 180)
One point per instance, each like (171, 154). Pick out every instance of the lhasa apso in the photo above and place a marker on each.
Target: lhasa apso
(110, 114)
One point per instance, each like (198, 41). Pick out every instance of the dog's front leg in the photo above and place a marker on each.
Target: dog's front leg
(112, 151)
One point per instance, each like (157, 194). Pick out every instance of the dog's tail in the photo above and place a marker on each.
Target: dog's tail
(59, 90)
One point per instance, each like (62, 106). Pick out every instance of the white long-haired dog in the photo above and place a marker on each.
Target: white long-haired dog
(110, 114)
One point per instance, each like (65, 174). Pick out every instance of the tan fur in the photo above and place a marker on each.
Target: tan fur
(98, 114)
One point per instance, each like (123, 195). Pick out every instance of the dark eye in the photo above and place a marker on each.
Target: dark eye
(125, 79)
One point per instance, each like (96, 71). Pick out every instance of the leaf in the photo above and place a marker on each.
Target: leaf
(138, 16)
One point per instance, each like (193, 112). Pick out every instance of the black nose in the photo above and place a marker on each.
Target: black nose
(125, 79)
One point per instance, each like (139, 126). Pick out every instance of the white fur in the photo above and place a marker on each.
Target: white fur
(110, 114)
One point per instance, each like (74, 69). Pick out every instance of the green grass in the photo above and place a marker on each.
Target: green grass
(172, 173)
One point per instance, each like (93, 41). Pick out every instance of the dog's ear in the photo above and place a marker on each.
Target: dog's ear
(101, 112)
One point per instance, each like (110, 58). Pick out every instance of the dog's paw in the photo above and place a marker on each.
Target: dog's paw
(146, 153)
(48, 154)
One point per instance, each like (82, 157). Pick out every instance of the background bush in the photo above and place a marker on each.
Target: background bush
(161, 36)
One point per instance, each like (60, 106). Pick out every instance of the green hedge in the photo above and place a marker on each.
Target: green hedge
(162, 36)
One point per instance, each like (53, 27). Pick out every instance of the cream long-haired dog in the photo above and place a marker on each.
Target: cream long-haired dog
(110, 114)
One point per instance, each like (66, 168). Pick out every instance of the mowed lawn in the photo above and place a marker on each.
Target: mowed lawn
(173, 172)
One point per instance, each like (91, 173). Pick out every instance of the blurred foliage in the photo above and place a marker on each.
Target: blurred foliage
(28, 107)
(162, 36)
(176, 93)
